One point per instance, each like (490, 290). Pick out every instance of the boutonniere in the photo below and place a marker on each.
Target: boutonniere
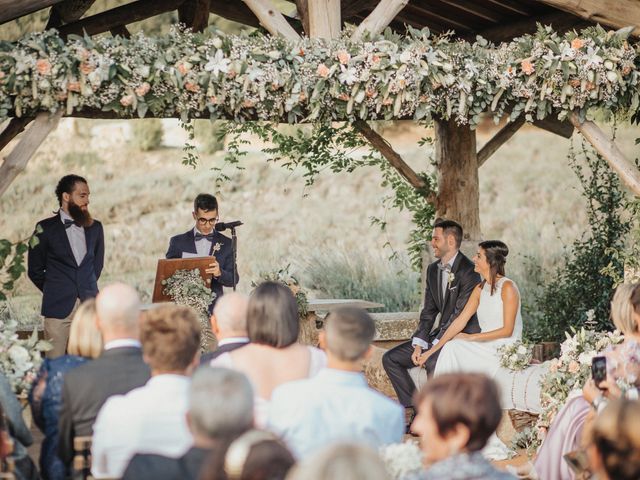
(450, 278)
(217, 247)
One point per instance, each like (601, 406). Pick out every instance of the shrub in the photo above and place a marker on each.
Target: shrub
(210, 135)
(147, 133)
(342, 274)
(587, 278)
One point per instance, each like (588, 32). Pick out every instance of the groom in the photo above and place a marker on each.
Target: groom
(450, 281)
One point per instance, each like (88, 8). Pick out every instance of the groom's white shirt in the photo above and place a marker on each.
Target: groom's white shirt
(444, 282)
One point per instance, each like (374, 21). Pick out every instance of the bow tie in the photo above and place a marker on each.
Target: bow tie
(68, 223)
(446, 268)
(200, 236)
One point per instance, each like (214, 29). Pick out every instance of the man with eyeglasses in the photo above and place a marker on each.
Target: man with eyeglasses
(203, 240)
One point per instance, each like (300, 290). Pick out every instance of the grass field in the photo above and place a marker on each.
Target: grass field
(529, 199)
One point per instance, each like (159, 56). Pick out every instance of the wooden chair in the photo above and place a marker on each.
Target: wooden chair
(82, 458)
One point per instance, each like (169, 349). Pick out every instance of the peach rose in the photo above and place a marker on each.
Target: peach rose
(371, 93)
(301, 52)
(344, 57)
(573, 367)
(375, 58)
(87, 68)
(127, 100)
(323, 70)
(302, 97)
(343, 96)
(61, 96)
(192, 87)
(575, 83)
(73, 86)
(183, 68)
(248, 104)
(388, 101)
(590, 86)
(213, 99)
(577, 43)
(143, 89)
(626, 70)
(43, 66)
(527, 67)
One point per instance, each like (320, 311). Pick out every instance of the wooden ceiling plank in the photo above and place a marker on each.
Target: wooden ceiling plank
(122, 15)
(475, 8)
(449, 23)
(613, 13)
(195, 14)
(12, 9)
(561, 21)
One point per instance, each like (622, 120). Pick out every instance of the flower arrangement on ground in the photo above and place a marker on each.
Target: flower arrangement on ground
(516, 356)
(20, 359)
(404, 461)
(283, 277)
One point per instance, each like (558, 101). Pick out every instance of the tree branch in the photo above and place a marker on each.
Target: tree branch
(380, 17)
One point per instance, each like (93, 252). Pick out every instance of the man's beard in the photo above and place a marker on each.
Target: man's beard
(81, 217)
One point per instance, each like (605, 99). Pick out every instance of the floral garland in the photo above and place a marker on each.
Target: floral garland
(268, 78)
(19, 359)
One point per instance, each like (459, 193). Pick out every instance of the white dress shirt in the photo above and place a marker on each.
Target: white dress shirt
(333, 406)
(76, 237)
(444, 283)
(122, 342)
(226, 341)
(148, 419)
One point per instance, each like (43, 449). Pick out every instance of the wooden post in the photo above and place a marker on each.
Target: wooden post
(271, 19)
(303, 14)
(324, 18)
(16, 125)
(606, 147)
(380, 17)
(29, 143)
(458, 186)
(195, 14)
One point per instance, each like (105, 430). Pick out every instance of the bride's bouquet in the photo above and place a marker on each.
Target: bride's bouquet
(516, 356)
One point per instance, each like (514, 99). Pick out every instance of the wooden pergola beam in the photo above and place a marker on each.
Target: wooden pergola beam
(324, 18)
(68, 11)
(17, 160)
(393, 157)
(606, 147)
(272, 19)
(560, 21)
(15, 126)
(122, 15)
(380, 17)
(553, 125)
(302, 7)
(195, 14)
(613, 13)
(12, 9)
(499, 139)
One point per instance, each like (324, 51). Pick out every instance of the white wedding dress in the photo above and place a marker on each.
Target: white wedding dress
(483, 357)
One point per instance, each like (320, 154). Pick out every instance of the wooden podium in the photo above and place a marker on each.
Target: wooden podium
(167, 267)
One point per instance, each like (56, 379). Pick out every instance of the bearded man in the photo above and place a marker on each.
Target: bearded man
(67, 260)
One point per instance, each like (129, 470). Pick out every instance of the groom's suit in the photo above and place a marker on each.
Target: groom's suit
(457, 286)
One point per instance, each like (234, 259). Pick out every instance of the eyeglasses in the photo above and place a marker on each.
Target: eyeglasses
(210, 221)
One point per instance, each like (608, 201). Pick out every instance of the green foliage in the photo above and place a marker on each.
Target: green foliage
(190, 152)
(331, 147)
(12, 261)
(147, 133)
(348, 274)
(580, 285)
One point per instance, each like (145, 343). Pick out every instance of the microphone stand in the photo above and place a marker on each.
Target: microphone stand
(234, 249)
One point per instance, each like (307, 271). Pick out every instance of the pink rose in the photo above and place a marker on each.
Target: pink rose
(87, 68)
(127, 100)
(192, 87)
(344, 57)
(143, 89)
(527, 67)
(574, 367)
(43, 66)
(183, 68)
(323, 70)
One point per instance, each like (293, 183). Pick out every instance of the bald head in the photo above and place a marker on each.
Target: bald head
(118, 311)
(230, 316)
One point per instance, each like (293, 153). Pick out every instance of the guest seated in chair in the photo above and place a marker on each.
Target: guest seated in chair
(274, 355)
(457, 414)
(85, 343)
(337, 404)
(229, 325)
(220, 410)
(152, 418)
(341, 460)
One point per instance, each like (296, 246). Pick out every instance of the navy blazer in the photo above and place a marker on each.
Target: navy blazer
(186, 243)
(456, 296)
(53, 268)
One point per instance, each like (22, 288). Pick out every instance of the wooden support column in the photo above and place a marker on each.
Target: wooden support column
(16, 125)
(458, 186)
(272, 19)
(17, 160)
(380, 18)
(499, 139)
(324, 18)
(627, 171)
(195, 14)
(303, 14)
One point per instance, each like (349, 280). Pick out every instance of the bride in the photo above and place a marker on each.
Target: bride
(496, 301)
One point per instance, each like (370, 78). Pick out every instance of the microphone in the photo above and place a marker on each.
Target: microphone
(221, 226)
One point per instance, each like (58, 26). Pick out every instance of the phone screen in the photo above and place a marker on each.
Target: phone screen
(599, 369)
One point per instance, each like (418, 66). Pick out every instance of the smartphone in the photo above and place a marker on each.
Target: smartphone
(599, 369)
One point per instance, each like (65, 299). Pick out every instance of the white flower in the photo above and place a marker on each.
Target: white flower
(348, 75)
(217, 247)
(402, 459)
(19, 355)
(522, 350)
(218, 63)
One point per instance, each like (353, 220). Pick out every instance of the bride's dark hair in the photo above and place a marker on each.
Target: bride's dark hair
(496, 253)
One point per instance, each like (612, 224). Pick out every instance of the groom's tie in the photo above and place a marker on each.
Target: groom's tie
(200, 236)
(443, 271)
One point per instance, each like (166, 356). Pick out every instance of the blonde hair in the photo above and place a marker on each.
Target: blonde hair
(616, 437)
(85, 339)
(622, 309)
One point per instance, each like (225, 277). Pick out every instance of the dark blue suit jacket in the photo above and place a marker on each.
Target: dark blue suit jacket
(186, 242)
(53, 268)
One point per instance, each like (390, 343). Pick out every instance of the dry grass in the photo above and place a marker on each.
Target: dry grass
(528, 199)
